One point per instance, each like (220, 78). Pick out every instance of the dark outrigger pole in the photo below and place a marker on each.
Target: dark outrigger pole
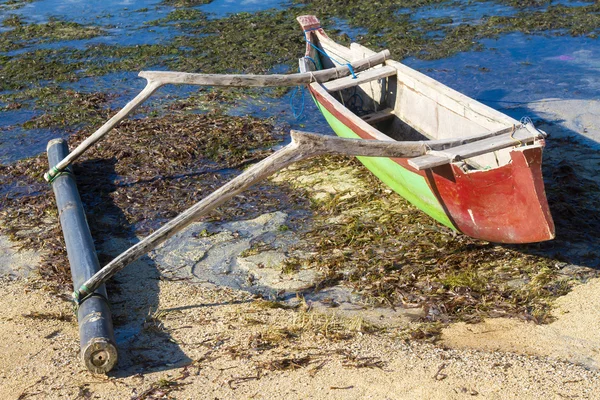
(98, 349)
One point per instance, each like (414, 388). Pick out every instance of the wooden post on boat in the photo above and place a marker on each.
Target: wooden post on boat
(98, 348)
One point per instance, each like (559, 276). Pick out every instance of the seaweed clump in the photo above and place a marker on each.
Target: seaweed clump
(395, 255)
(185, 3)
(143, 174)
(23, 34)
(270, 40)
(14, 4)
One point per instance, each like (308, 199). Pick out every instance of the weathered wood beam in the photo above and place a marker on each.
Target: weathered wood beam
(362, 77)
(98, 348)
(303, 78)
(304, 145)
(156, 79)
(518, 136)
(151, 87)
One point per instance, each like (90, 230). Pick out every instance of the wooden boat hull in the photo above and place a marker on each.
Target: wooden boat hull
(506, 204)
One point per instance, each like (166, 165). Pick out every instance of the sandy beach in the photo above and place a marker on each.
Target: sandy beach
(191, 339)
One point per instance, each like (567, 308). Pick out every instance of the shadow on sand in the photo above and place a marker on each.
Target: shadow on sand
(570, 170)
(142, 342)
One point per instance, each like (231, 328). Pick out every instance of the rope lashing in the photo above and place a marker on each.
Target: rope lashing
(327, 55)
(298, 114)
(526, 120)
(514, 129)
(529, 125)
(300, 89)
(54, 174)
(526, 123)
(78, 300)
(51, 175)
(312, 60)
(83, 289)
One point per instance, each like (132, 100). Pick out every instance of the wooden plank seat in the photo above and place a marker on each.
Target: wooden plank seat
(379, 116)
(362, 77)
(522, 135)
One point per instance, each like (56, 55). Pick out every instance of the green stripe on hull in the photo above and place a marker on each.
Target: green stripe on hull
(413, 187)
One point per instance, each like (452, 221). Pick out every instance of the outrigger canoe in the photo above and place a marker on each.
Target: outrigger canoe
(489, 188)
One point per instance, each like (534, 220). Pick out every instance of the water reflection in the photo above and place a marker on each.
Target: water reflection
(521, 68)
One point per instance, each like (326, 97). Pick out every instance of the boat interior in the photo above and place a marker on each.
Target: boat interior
(400, 103)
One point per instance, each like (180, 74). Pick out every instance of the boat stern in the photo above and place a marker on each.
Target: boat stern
(502, 205)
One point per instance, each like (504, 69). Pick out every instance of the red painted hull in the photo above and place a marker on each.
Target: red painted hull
(503, 205)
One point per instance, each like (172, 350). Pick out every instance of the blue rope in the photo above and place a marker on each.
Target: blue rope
(351, 70)
(298, 113)
(313, 61)
(331, 58)
(355, 104)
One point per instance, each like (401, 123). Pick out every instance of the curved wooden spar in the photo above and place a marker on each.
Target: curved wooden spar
(156, 79)
(150, 88)
(304, 145)
(325, 75)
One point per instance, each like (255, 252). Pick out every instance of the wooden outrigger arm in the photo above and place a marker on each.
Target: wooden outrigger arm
(156, 79)
(303, 145)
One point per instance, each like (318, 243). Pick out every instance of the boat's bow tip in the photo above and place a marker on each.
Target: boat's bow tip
(308, 21)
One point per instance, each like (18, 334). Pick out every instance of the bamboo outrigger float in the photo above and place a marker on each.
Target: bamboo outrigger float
(98, 347)
(482, 178)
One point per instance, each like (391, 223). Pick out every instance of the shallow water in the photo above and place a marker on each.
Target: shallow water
(124, 13)
(519, 68)
(222, 8)
(512, 70)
